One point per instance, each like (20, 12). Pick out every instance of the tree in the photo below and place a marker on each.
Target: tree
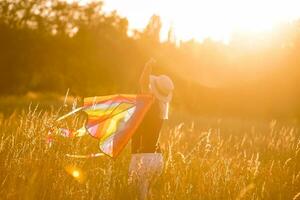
(152, 30)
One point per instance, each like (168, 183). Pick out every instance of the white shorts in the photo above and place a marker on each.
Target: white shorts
(144, 169)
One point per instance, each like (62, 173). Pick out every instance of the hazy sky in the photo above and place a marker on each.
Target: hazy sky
(207, 18)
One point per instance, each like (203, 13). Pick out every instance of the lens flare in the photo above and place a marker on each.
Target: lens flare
(76, 173)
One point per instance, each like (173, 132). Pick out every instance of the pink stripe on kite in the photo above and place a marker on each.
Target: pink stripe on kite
(117, 98)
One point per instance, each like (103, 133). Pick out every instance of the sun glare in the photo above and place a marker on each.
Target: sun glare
(199, 19)
(75, 173)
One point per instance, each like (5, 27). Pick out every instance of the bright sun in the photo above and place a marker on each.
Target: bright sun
(200, 19)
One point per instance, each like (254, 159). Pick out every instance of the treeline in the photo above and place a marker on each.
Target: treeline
(54, 46)
(50, 46)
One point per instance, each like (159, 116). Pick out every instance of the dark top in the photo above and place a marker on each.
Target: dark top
(145, 139)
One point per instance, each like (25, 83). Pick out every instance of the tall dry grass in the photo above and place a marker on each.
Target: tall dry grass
(203, 160)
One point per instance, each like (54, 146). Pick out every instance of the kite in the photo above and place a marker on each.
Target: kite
(111, 119)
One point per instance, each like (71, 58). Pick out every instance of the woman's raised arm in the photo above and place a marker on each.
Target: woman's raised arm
(145, 76)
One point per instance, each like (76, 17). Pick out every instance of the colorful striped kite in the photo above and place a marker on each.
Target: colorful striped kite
(111, 119)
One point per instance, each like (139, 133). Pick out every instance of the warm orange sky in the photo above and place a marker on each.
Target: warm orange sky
(200, 19)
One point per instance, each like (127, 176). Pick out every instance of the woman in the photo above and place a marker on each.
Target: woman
(147, 161)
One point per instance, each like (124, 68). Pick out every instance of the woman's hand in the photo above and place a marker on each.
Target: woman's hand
(150, 62)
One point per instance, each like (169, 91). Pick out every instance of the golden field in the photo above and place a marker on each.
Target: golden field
(204, 159)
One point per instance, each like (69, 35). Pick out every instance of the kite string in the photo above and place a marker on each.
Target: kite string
(92, 155)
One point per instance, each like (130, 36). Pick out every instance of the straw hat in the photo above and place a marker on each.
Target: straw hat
(161, 86)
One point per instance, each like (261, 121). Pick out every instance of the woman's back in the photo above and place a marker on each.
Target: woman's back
(145, 140)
